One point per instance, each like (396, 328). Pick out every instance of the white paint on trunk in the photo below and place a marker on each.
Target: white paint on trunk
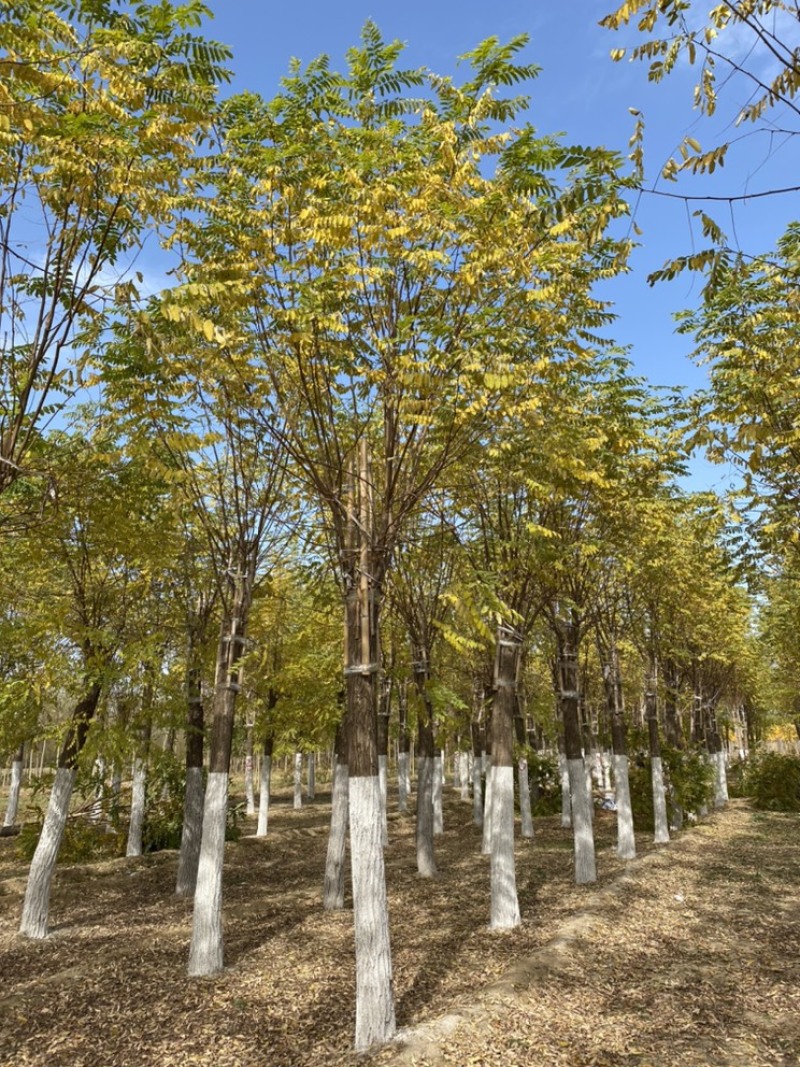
(438, 784)
(402, 781)
(382, 779)
(659, 803)
(626, 840)
(249, 791)
(463, 761)
(136, 824)
(36, 908)
(13, 793)
(566, 810)
(99, 771)
(333, 891)
(263, 796)
(589, 786)
(205, 951)
(488, 808)
(477, 792)
(426, 861)
(191, 834)
(375, 1021)
(721, 781)
(311, 784)
(583, 834)
(606, 768)
(526, 817)
(505, 906)
(298, 779)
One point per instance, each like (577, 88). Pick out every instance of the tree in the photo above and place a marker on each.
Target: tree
(101, 105)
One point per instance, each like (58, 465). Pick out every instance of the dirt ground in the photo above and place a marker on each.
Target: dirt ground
(687, 957)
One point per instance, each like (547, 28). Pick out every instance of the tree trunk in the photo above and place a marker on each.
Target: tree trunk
(192, 831)
(581, 801)
(477, 767)
(504, 903)
(206, 948)
(36, 907)
(311, 783)
(661, 836)
(139, 789)
(438, 786)
(403, 784)
(15, 787)
(626, 839)
(426, 859)
(526, 817)
(375, 1018)
(249, 785)
(298, 780)
(383, 757)
(333, 891)
(264, 786)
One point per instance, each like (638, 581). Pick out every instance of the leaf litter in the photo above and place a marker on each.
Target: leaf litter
(687, 957)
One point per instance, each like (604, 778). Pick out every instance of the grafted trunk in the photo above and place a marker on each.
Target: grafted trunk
(193, 799)
(661, 836)
(36, 906)
(206, 947)
(504, 902)
(581, 801)
(14, 786)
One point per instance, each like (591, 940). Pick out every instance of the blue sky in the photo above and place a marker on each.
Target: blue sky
(581, 92)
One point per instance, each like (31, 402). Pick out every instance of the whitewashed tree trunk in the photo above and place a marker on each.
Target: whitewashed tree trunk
(96, 812)
(606, 768)
(426, 862)
(206, 948)
(526, 818)
(13, 792)
(488, 808)
(333, 891)
(585, 868)
(382, 779)
(311, 784)
(721, 781)
(438, 783)
(659, 802)
(402, 781)
(249, 787)
(138, 793)
(505, 906)
(626, 840)
(589, 786)
(477, 792)
(298, 779)
(463, 761)
(566, 809)
(191, 834)
(263, 796)
(375, 1020)
(36, 907)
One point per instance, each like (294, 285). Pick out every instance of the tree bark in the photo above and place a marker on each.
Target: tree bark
(333, 890)
(661, 836)
(504, 903)
(264, 785)
(403, 783)
(14, 787)
(426, 858)
(139, 787)
(36, 906)
(206, 948)
(192, 831)
(626, 839)
(581, 801)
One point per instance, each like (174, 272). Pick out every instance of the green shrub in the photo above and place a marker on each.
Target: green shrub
(772, 780)
(641, 785)
(84, 840)
(163, 812)
(690, 777)
(544, 778)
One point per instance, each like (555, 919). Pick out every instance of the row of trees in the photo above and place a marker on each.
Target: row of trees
(380, 389)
